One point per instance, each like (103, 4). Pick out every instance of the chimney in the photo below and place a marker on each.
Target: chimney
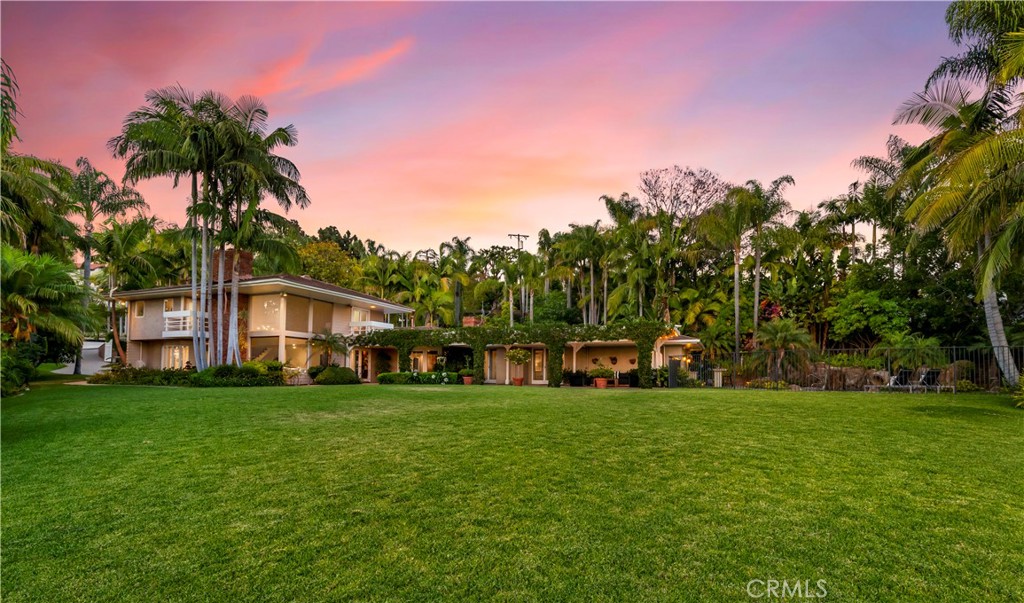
(244, 264)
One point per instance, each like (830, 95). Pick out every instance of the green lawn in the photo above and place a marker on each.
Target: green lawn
(510, 494)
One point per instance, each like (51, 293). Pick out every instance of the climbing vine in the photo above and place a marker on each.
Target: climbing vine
(554, 336)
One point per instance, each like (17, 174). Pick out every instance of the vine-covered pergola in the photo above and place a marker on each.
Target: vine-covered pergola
(554, 336)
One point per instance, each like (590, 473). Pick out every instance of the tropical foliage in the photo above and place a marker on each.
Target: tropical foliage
(926, 245)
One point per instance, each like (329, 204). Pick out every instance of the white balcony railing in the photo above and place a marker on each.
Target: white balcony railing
(368, 326)
(179, 323)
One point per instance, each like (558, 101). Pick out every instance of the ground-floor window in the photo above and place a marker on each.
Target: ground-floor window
(264, 348)
(176, 356)
(296, 352)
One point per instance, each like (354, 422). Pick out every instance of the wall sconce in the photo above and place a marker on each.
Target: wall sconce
(613, 359)
(593, 360)
(632, 360)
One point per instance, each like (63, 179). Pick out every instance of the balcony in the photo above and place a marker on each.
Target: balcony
(179, 323)
(360, 327)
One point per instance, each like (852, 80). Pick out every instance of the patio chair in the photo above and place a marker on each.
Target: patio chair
(901, 380)
(930, 380)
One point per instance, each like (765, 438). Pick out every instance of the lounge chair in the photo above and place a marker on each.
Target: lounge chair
(930, 380)
(901, 380)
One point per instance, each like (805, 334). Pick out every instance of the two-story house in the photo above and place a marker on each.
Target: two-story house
(279, 315)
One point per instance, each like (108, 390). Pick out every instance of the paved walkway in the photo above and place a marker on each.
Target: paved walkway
(92, 359)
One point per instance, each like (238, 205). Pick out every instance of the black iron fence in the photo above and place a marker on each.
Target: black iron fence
(879, 369)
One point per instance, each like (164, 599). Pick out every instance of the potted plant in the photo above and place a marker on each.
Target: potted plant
(518, 357)
(601, 375)
(467, 376)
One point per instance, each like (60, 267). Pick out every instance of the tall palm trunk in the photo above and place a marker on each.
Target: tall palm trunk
(996, 332)
(234, 354)
(458, 303)
(736, 304)
(195, 255)
(604, 318)
(511, 307)
(593, 308)
(221, 292)
(115, 328)
(757, 288)
(86, 272)
(204, 298)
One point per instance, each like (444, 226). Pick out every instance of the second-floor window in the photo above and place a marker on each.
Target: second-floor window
(168, 305)
(140, 309)
(360, 315)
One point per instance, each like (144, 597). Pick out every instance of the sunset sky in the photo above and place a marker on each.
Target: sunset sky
(419, 122)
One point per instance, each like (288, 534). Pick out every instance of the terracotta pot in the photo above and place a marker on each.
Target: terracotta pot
(600, 383)
(467, 381)
(517, 380)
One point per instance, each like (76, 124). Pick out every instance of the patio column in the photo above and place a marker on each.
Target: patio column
(508, 368)
(576, 347)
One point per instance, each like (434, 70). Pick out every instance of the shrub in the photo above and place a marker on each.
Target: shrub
(966, 386)
(224, 371)
(767, 384)
(447, 378)
(1018, 394)
(394, 378)
(314, 371)
(17, 366)
(119, 374)
(336, 375)
(601, 372)
(466, 372)
(250, 374)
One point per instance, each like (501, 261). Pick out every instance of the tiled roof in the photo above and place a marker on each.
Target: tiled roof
(259, 280)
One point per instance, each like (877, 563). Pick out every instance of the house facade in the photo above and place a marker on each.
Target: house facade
(279, 316)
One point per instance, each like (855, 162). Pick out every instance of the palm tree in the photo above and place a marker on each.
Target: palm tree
(174, 135)
(780, 336)
(30, 188)
(38, 294)
(130, 262)
(767, 208)
(95, 197)
(453, 266)
(975, 163)
(331, 344)
(725, 225)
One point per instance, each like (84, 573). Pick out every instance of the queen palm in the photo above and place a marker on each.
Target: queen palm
(174, 135)
(725, 226)
(250, 171)
(453, 266)
(131, 263)
(95, 197)
(767, 209)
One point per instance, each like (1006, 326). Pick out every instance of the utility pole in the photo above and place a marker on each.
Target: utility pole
(511, 305)
(519, 239)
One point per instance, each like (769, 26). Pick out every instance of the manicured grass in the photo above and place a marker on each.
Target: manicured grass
(509, 494)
